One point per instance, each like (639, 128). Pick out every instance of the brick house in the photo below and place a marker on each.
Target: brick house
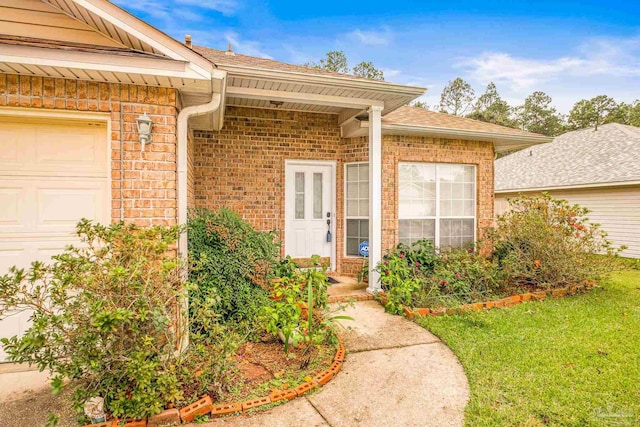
(328, 160)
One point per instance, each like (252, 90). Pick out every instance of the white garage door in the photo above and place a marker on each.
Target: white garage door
(52, 173)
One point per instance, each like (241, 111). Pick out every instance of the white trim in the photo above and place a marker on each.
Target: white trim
(358, 128)
(333, 164)
(318, 79)
(375, 196)
(571, 187)
(300, 97)
(345, 216)
(159, 41)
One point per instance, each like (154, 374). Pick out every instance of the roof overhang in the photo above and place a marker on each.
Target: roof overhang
(145, 56)
(583, 186)
(289, 90)
(501, 141)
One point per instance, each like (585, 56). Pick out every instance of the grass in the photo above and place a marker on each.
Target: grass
(573, 361)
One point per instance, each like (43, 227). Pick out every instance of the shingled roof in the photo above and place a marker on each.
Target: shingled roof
(421, 117)
(222, 58)
(610, 155)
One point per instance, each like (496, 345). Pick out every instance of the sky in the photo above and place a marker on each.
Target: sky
(569, 49)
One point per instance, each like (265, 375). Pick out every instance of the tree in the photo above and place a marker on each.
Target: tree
(592, 112)
(581, 115)
(420, 104)
(491, 108)
(627, 114)
(456, 97)
(367, 70)
(334, 60)
(538, 116)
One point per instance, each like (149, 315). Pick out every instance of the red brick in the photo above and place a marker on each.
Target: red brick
(305, 388)
(167, 418)
(255, 403)
(278, 395)
(224, 409)
(199, 407)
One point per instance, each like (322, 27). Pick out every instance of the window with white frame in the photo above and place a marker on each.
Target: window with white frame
(437, 201)
(356, 206)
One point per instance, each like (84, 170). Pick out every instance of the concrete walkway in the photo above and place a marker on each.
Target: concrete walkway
(395, 374)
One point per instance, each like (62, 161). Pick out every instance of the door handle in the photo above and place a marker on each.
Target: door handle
(329, 227)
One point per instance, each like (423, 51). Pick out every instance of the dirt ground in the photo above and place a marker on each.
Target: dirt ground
(34, 411)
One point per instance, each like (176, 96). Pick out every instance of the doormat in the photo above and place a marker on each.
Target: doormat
(332, 280)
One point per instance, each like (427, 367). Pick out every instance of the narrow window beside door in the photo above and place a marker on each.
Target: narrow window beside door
(357, 206)
(299, 212)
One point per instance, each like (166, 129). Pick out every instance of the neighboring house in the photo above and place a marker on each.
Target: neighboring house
(599, 170)
(297, 150)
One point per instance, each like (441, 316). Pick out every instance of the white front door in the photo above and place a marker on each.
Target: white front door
(309, 209)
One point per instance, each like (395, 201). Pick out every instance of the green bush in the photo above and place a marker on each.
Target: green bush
(420, 276)
(103, 317)
(542, 242)
(231, 262)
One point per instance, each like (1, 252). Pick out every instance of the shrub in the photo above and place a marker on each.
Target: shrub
(231, 261)
(103, 316)
(543, 242)
(419, 275)
(300, 308)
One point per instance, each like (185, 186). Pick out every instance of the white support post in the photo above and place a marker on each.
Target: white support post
(375, 195)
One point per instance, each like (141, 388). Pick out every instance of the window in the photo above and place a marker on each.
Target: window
(437, 202)
(357, 206)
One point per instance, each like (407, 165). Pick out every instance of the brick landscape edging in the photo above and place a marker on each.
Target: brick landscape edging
(205, 405)
(509, 301)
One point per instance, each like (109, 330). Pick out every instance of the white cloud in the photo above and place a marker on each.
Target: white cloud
(169, 10)
(373, 38)
(245, 47)
(596, 57)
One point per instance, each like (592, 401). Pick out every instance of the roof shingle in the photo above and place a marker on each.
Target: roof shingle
(220, 57)
(415, 116)
(609, 155)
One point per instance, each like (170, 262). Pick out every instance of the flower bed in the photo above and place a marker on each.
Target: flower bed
(206, 405)
(411, 312)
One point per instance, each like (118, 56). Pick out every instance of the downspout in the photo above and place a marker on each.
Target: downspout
(182, 186)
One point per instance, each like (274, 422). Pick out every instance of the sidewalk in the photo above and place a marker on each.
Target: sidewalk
(395, 374)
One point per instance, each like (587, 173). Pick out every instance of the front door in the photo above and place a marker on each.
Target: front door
(309, 211)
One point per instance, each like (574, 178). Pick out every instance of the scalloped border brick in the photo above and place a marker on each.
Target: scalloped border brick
(350, 298)
(188, 413)
(509, 301)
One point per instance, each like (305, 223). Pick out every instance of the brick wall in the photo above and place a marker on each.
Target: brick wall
(396, 149)
(241, 167)
(143, 184)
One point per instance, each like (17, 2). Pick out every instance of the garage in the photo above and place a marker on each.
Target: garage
(53, 172)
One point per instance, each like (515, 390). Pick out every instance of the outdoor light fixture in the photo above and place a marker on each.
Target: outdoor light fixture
(144, 129)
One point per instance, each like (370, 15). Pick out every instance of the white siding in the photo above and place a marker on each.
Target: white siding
(33, 18)
(617, 209)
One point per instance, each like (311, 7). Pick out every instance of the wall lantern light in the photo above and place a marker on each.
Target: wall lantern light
(144, 129)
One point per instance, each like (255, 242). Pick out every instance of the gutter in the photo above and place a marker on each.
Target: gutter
(465, 134)
(570, 187)
(182, 177)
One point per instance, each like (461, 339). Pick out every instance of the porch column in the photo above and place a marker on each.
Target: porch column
(375, 195)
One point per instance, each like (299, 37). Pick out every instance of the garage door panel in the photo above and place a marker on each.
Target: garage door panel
(12, 208)
(16, 323)
(13, 254)
(69, 151)
(54, 212)
(46, 149)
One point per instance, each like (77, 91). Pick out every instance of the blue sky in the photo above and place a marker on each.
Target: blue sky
(569, 49)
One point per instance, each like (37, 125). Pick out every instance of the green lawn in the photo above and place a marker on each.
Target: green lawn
(573, 361)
